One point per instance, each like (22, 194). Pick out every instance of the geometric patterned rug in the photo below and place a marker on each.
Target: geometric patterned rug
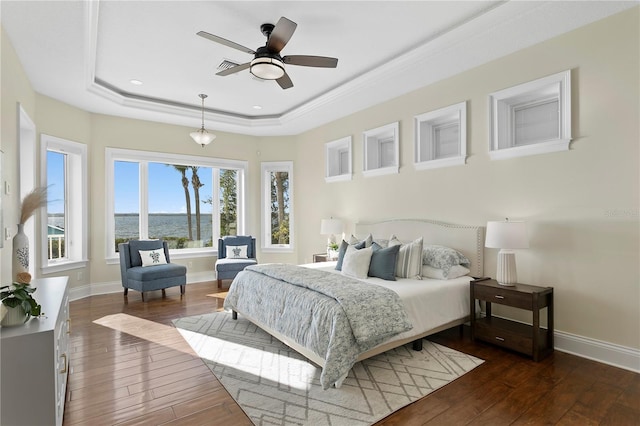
(275, 385)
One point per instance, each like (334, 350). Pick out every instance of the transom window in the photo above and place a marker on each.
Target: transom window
(188, 201)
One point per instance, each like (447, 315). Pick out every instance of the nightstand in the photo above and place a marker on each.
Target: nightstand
(321, 257)
(528, 339)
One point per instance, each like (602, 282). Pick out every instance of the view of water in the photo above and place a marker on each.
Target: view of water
(161, 225)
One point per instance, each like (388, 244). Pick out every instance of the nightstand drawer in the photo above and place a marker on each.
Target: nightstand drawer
(498, 332)
(504, 297)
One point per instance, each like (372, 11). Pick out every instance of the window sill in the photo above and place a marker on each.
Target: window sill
(381, 171)
(442, 162)
(533, 149)
(64, 266)
(337, 178)
(173, 255)
(276, 249)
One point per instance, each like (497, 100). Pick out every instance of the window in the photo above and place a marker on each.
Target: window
(277, 206)
(381, 150)
(441, 137)
(65, 232)
(188, 201)
(338, 160)
(532, 118)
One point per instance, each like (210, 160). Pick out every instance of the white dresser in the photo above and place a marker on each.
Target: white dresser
(34, 360)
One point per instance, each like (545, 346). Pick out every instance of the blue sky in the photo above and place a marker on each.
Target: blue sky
(166, 194)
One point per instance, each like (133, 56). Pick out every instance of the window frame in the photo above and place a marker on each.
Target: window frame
(333, 152)
(76, 205)
(372, 141)
(503, 104)
(266, 168)
(453, 115)
(118, 154)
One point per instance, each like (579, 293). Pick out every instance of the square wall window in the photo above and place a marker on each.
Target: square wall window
(531, 118)
(381, 150)
(338, 160)
(441, 137)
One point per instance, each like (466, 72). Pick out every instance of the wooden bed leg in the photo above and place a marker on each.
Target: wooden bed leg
(461, 328)
(417, 345)
(234, 315)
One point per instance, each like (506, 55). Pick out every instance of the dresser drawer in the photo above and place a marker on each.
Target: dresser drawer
(491, 332)
(504, 297)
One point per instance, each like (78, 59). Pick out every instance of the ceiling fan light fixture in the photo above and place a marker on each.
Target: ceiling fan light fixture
(201, 136)
(267, 68)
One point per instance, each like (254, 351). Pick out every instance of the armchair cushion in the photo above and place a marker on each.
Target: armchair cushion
(136, 245)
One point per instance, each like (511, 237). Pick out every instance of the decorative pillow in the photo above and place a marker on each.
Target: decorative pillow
(444, 258)
(409, 263)
(382, 243)
(356, 262)
(367, 241)
(383, 262)
(343, 248)
(153, 257)
(440, 274)
(237, 252)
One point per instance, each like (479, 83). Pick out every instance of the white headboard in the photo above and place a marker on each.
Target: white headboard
(469, 240)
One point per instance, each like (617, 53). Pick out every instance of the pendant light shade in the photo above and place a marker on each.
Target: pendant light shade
(202, 136)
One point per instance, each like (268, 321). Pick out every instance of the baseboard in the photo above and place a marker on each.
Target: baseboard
(108, 287)
(597, 350)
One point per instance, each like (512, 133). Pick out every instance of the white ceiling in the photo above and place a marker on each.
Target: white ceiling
(85, 53)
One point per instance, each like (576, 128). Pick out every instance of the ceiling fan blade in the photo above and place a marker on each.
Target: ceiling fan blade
(285, 82)
(226, 42)
(281, 34)
(234, 70)
(311, 61)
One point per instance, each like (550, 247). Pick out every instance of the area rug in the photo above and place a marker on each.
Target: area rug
(275, 385)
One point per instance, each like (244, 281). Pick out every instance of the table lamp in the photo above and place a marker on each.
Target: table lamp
(330, 227)
(506, 235)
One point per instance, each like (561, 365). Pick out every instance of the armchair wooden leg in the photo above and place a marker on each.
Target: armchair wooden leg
(219, 283)
(182, 287)
(142, 293)
(126, 291)
(164, 293)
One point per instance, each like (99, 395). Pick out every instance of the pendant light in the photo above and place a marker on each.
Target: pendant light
(202, 136)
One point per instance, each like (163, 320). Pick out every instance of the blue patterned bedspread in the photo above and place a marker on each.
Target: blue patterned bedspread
(336, 317)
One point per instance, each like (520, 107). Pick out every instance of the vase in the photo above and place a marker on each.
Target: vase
(14, 316)
(20, 252)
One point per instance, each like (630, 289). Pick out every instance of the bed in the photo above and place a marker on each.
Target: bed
(330, 318)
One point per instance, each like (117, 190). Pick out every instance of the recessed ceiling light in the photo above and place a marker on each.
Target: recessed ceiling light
(136, 82)
(257, 107)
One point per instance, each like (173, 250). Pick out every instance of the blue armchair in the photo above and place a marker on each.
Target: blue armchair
(234, 254)
(142, 278)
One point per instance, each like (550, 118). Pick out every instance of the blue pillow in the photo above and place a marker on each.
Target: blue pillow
(341, 251)
(383, 262)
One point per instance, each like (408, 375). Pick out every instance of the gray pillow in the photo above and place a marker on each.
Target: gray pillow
(383, 262)
(442, 257)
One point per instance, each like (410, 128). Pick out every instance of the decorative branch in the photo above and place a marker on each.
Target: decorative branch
(32, 202)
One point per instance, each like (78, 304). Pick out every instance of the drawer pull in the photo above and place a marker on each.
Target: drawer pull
(499, 339)
(64, 369)
(499, 297)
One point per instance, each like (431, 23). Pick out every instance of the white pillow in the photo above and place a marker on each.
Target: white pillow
(440, 274)
(237, 252)
(356, 262)
(367, 241)
(409, 263)
(153, 257)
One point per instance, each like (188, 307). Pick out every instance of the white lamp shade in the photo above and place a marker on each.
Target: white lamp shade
(330, 227)
(507, 235)
(202, 137)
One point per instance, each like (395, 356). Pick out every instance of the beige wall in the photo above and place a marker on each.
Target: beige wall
(581, 205)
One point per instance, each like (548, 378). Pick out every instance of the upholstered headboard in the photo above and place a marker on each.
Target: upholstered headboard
(469, 240)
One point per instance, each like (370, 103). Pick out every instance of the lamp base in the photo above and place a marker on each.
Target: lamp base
(506, 274)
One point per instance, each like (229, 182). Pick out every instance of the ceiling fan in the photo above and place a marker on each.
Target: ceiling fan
(267, 63)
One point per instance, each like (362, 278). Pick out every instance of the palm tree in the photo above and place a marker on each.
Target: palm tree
(187, 197)
(195, 182)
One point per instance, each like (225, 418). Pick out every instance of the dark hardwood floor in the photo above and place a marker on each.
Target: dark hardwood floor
(129, 366)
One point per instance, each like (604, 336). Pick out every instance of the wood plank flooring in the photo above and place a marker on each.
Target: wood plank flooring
(129, 366)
